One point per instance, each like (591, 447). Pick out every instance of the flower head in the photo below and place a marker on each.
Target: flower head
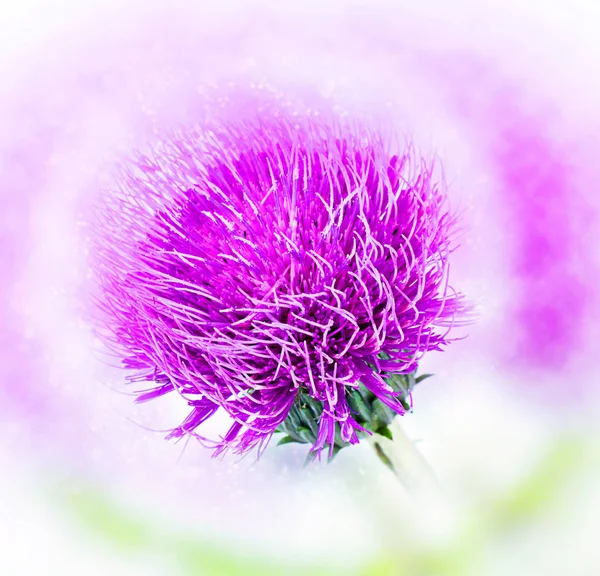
(274, 266)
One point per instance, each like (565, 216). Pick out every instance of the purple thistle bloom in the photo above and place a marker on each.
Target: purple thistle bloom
(247, 265)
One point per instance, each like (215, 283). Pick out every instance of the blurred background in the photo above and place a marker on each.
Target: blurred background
(505, 94)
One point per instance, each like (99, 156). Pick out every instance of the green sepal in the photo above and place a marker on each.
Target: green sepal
(302, 423)
(287, 440)
(383, 456)
(384, 432)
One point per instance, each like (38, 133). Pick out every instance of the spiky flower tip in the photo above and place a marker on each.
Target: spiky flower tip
(290, 270)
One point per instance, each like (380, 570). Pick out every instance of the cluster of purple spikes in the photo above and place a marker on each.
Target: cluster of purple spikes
(240, 264)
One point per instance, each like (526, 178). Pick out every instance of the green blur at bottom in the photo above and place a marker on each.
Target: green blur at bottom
(499, 516)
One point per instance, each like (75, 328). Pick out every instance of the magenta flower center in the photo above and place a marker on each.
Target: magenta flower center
(245, 264)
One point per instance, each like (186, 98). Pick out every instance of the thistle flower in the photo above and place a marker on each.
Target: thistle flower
(289, 270)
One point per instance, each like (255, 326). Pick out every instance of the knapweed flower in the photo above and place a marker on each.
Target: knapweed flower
(289, 269)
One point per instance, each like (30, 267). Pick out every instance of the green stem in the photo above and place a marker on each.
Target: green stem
(401, 456)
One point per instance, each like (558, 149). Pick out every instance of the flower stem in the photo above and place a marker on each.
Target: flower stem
(401, 456)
